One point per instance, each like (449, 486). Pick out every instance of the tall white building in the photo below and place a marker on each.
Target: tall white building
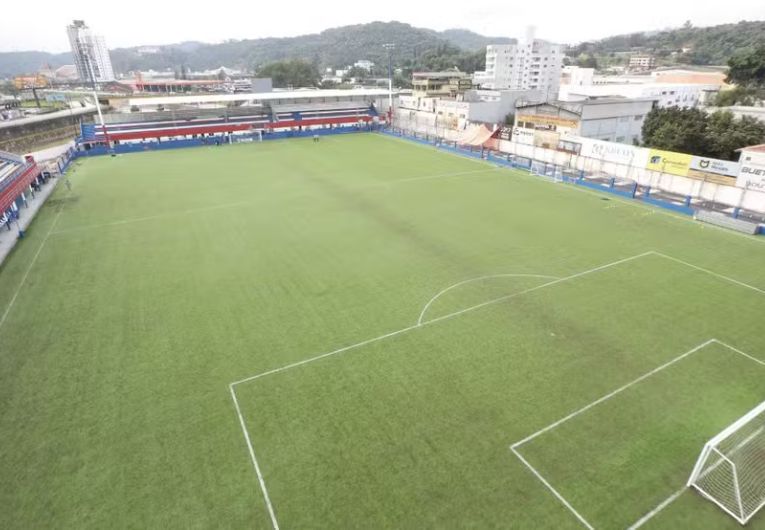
(91, 56)
(532, 64)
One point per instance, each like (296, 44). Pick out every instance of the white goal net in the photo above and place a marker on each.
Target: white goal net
(731, 468)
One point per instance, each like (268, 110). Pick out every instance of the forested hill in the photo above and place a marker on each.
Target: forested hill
(334, 47)
(703, 46)
(422, 47)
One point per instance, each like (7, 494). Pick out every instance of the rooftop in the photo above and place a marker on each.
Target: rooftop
(261, 96)
(448, 73)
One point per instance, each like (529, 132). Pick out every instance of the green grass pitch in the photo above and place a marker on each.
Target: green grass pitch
(161, 278)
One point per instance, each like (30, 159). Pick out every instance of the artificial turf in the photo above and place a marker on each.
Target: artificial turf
(162, 277)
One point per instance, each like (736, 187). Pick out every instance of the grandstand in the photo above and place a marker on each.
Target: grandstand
(16, 177)
(240, 114)
(19, 179)
(322, 111)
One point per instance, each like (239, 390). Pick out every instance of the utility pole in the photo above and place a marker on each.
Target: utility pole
(390, 47)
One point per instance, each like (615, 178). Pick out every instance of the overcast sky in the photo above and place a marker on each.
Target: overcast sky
(41, 25)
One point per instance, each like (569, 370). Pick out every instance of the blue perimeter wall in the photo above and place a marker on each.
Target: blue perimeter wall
(210, 140)
(477, 153)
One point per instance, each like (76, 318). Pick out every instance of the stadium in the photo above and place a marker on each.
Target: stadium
(305, 314)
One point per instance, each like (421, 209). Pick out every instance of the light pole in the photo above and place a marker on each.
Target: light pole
(390, 47)
(85, 51)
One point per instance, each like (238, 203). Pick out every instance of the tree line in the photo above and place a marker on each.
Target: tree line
(718, 134)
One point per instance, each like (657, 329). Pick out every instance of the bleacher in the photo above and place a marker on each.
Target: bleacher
(16, 176)
(323, 111)
(718, 219)
(7, 167)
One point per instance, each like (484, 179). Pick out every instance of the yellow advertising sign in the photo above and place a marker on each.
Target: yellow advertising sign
(669, 162)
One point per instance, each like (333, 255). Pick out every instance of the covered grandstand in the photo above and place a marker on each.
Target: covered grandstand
(227, 115)
(17, 178)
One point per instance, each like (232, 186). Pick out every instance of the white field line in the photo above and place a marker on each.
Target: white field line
(245, 203)
(152, 217)
(442, 175)
(669, 500)
(29, 268)
(261, 480)
(514, 447)
(323, 355)
(715, 274)
(436, 149)
(635, 203)
(560, 497)
(443, 317)
(404, 330)
(755, 359)
(242, 423)
(612, 394)
(480, 278)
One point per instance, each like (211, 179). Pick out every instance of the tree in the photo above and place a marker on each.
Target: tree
(693, 131)
(675, 129)
(586, 61)
(748, 68)
(292, 73)
(357, 72)
(725, 134)
(738, 95)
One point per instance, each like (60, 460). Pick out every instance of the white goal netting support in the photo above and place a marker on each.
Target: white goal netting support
(731, 468)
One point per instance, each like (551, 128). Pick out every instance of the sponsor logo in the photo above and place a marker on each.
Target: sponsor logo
(655, 160)
(753, 171)
(603, 150)
(704, 163)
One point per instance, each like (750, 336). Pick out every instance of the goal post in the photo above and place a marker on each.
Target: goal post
(730, 470)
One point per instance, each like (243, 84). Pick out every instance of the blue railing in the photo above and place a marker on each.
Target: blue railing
(514, 162)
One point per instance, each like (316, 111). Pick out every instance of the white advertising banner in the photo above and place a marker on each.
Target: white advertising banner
(523, 136)
(712, 165)
(624, 154)
(752, 174)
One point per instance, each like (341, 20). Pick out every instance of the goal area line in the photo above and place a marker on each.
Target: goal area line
(515, 447)
(243, 424)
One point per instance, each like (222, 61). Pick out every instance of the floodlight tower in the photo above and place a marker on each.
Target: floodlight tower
(86, 50)
(390, 47)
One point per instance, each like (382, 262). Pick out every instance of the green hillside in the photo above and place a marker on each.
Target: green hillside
(686, 45)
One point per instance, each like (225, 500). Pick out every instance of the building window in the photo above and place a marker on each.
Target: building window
(638, 117)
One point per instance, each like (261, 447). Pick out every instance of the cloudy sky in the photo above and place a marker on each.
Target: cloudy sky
(134, 22)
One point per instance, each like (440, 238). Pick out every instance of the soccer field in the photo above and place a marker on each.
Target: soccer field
(365, 333)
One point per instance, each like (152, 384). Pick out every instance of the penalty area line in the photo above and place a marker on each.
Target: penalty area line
(243, 424)
(650, 515)
(255, 465)
(549, 486)
(515, 447)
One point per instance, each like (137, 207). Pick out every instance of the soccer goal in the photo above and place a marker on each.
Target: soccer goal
(549, 172)
(731, 468)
